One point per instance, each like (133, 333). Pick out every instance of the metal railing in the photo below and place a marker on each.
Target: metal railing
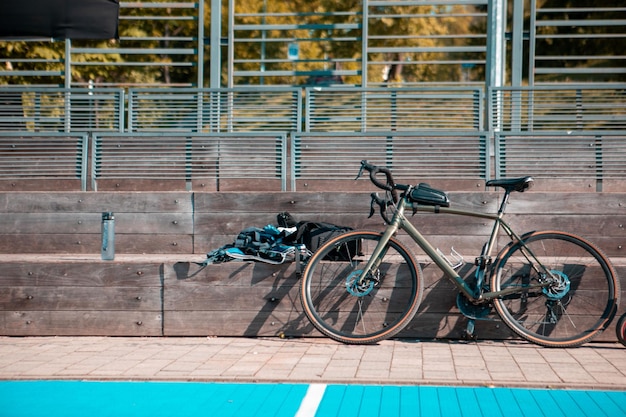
(207, 159)
(557, 107)
(39, 157)
(393, 109)
(577, 42)
(590, 155)
(178, 134)
(412, 155)
(40, 109)
(215, 110)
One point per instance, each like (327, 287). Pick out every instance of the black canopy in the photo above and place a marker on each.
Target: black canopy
(61, 19)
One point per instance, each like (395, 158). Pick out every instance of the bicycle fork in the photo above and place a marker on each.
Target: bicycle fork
(399, 221)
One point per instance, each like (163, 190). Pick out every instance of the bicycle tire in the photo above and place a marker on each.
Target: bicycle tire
(376, 311)
(574, 310)
(620, 329)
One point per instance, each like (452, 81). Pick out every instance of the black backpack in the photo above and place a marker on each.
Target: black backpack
(314, 234)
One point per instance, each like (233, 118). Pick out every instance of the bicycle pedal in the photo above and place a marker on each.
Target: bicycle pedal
(469, 333)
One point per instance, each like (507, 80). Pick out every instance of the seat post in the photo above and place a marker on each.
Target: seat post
(505, 201)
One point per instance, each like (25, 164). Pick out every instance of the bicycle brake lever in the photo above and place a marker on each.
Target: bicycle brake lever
(383, 204)
(363, 162)
(372, 202)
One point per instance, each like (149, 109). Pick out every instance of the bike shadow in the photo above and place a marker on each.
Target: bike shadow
(237, 299)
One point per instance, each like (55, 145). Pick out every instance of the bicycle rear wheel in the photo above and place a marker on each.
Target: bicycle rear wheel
(580, 303)
(375, 310)
(620, 329)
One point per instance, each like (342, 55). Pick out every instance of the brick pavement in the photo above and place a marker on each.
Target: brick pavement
(488, 363)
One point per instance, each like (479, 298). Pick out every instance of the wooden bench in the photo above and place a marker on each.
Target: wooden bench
(54, 282)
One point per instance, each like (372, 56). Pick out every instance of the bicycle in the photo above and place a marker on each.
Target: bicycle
(620, 329)
(549, 287)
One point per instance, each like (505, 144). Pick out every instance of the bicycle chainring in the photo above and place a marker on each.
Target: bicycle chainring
(472, 310)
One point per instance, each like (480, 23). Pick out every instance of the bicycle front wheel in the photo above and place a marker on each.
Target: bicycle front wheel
(580, 301)
(375, 309)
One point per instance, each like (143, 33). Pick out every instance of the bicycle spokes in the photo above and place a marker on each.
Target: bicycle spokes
(350, 306)
(565, 291)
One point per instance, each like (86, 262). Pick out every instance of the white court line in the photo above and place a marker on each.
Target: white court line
(311, 400)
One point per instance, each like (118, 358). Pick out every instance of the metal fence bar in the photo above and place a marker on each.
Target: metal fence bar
(180, 46)
(402, 49)
(61, 110)
(411, 155)
(189, 157)
(558, 107)
(44, 156)
(272, 46)
(570, 43)
(593, 155)
(215, 110)
(394, 109)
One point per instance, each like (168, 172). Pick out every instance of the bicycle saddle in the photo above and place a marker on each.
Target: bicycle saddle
(512, 184)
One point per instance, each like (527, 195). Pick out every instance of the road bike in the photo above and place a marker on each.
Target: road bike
(620, 329)
(552, 288)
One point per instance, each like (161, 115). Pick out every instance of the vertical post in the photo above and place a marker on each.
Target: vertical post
(68, 83)
(200, 56)
(531, 62)
(68, 63)
(263, 36)
(517, 43)
(364, 36)
(231, 43)
(496, 51)
(517, 46)
(532, 42)
(494, 79)
(216, 40)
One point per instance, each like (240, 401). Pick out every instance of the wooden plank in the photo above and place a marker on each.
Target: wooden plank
(80, 202)
(223, 223)
(425, 325)
(232, 299)
(252, 299)
(91, 243)
(234, 184)
(314, 202)
(330, 185)
(567, 203)
(41, 184)
(612, 185)
(82, 298)
(81, 273)
(81, 323)
(236, 323)
(135, 223)
(277, 202)
(139, 184)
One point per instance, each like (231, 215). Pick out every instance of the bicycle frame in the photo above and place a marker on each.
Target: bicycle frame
(399, 221)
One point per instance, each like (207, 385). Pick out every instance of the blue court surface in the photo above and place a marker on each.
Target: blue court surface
(137, 399)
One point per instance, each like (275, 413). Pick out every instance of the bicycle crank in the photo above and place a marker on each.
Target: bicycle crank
(472, 310)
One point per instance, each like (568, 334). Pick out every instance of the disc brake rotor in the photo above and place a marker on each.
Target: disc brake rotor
(356, 289)
(559, 288)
